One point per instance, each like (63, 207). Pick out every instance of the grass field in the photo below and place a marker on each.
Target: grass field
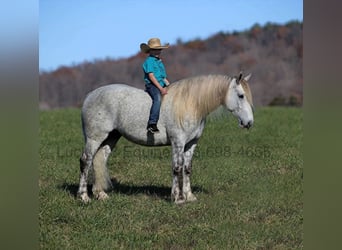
(249, 186)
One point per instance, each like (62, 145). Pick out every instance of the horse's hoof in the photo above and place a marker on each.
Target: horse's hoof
(85, 198)
(102, 196)
(191, 198)
(179, 201)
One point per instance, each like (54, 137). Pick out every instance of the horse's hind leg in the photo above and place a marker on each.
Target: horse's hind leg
(102, 181)
(86, 162)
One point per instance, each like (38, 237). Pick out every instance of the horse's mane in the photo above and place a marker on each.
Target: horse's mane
(198, 96)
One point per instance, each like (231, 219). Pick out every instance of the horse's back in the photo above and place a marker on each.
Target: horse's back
(123, 108)
(111, 94)
(111, 102)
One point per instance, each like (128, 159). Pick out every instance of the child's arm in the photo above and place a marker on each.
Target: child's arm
(156, 83)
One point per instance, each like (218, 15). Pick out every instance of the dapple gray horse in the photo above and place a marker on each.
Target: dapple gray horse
(116, 110)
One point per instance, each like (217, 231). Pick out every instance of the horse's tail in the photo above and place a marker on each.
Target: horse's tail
(83, 126)
(102, 180)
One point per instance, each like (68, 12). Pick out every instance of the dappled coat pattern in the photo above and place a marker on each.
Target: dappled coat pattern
(116, 110)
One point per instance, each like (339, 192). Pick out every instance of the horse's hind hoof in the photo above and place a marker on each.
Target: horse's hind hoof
(102, 196)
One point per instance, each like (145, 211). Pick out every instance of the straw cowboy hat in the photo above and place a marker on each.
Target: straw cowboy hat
(153, 43)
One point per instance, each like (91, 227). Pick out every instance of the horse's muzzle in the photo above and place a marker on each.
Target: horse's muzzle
(247, 126)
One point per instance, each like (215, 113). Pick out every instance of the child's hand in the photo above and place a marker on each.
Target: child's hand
(163, 91)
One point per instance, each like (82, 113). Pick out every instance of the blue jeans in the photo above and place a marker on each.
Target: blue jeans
(154, 92)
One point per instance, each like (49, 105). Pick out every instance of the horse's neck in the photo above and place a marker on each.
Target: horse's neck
(214, 97)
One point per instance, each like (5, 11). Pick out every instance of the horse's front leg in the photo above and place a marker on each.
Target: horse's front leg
(177, 171)
(188, 154)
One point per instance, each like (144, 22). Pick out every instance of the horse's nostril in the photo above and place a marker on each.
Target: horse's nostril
(249, 124)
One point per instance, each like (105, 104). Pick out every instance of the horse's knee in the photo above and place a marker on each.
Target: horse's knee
(177, 166)
(177, 170)
(188, 169)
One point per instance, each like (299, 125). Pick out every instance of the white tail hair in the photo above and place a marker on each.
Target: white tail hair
(102, 180)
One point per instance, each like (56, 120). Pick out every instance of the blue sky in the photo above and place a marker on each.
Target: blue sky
(74, 31)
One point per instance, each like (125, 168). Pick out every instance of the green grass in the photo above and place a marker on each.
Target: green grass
(249, 186)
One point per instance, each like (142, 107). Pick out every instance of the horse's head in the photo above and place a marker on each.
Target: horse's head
(239, 100)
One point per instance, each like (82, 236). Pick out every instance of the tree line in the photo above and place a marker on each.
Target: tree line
(273, 53)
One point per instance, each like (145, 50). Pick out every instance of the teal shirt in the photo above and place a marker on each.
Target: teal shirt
(154, 65)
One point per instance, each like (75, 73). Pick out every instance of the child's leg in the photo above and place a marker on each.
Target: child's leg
(154, 92)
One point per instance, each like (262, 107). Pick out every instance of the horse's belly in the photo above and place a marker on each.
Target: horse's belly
(132, 121)
(146, 138)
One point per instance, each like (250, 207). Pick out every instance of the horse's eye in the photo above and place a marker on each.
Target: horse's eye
(241, 96)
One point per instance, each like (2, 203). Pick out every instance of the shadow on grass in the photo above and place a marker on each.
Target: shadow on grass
(161, 192)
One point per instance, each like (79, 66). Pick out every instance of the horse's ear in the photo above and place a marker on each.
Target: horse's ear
(247, 77)
(240, 76)
(238, 79)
